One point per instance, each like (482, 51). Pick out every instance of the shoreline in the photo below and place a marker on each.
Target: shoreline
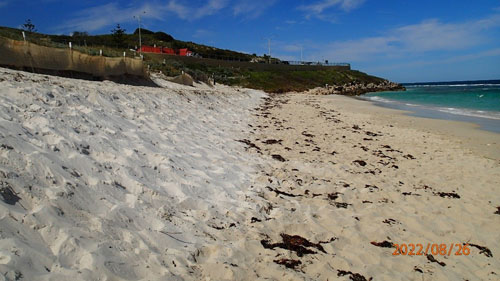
(483, 142)
(424, 111)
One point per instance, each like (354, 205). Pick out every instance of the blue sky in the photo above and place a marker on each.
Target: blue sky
(402, 40)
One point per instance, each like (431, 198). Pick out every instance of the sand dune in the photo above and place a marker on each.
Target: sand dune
(117, 182)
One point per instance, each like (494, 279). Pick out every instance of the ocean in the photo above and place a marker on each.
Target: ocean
(470, 101)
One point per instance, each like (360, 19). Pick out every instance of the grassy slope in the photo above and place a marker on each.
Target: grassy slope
(109, 45)
(269, 80)
(277, 81)
(284, 81)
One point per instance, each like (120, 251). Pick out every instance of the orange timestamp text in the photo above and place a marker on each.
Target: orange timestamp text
(430, 248)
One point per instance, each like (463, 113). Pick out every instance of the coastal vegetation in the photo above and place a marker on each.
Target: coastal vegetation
(226, 66)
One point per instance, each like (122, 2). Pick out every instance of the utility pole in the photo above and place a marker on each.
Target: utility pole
(140, 38)
(269, 46)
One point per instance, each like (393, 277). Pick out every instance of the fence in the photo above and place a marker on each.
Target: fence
(68, 62)
(326, 63)
(244, 64)
(342, 65)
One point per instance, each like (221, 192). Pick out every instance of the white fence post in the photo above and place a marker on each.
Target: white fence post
(24, 36)
(100, 53)
(70, 45)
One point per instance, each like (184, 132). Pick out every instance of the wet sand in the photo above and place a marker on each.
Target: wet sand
(482, 142)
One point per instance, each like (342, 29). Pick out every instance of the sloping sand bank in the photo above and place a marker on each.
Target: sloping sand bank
(101, 181)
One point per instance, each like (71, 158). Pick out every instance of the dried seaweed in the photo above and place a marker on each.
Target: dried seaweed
(249, 143)
(409, 156)
(272, 141)
(333, 196)
(119, 185)
(447, 194)
(307, 135)
(432, 259)
(6, 146)
(410, 193)
(381, 154)
(288, 263)
(254, 220)
(294, 243)
(483, 250)
(360, 162)
(390, 221)
(8, 194)
(84, 148)
(352, 276)
(384, 244)
(278, 157)
(279, 192)
(341, 205)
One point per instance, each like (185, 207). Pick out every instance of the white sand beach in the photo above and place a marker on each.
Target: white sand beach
(102, 181)
(113, 182)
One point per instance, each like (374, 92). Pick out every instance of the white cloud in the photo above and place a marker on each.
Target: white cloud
(180, 10)
(318, 9)
(453, 59)
(247, 8)
(109, 14)
(203, 33)
(252, 8)
(426, 36)
(434, 35)
(212, 7)
(291, 48)
(191, 12)
(106, 15)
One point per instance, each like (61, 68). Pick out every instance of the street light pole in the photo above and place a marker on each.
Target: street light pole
(140, 38)
(269, 46)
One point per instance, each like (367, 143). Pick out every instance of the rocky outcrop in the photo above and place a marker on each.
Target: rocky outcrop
(356, 89)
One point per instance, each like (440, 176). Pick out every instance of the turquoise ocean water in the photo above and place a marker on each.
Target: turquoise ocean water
(470, 101)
